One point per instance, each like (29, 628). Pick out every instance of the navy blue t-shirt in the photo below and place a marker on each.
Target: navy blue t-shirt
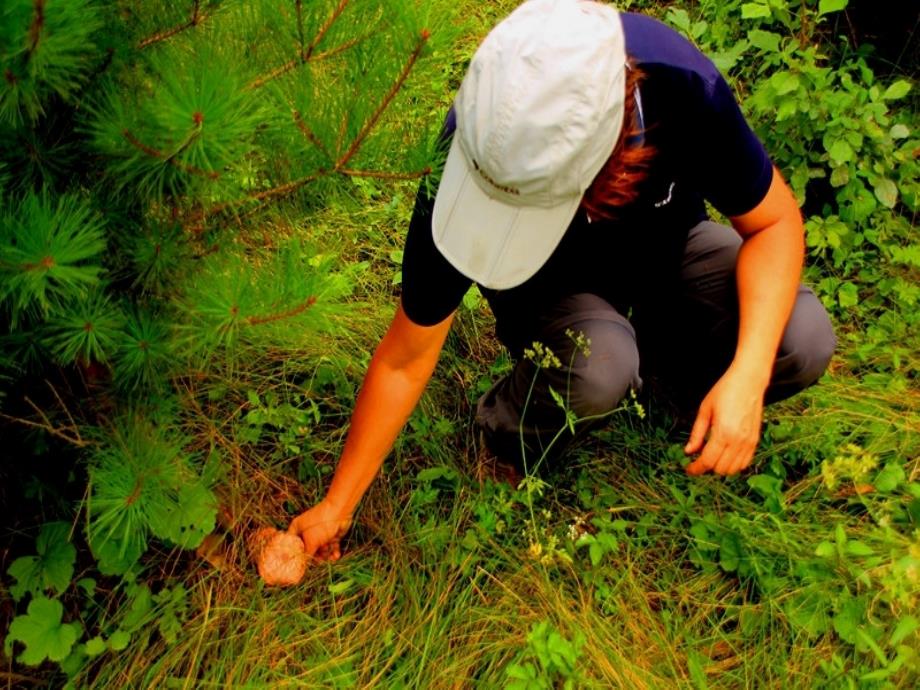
(704, 149)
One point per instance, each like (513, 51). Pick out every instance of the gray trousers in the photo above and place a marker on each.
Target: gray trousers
(684, 342)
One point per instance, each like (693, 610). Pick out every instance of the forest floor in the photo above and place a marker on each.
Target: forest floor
(616, 570)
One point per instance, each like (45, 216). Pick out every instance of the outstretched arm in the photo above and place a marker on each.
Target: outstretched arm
(768, 273)
(396, 377)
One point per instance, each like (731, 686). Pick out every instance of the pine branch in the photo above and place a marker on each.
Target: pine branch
(340, 48)
(266, 194)
(384, 175)
(35, 28)
(300, 39)
(384, 103)
(46, 264)
(309, 134)
(195, 20)
(339, 167)
(274, 74)
(336, 13)
(169, 158)
(286, 188)
(305, 55)
(298, 61)
(294, 311)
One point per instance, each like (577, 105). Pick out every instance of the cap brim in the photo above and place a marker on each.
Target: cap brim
(497, 244)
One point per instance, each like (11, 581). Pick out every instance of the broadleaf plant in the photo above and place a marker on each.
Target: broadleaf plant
(51, 569)
(42, 632)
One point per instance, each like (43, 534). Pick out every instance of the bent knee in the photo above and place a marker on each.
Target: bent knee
(598, 386)
(811, 359)
(808, 343)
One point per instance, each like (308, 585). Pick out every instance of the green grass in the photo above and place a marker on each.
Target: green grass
(446, 573)
(432, 593)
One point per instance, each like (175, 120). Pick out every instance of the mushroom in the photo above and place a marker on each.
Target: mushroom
(279, 556)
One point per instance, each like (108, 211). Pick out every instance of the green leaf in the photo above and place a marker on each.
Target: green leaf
(890, 477)
(825, 549)
(173, 606)
(784, 82)
(899, 131)
(754, 10)
(119, 640)
(898, 89)
(95, 646)
(190, 519)
(807, 611)
(828, 6)
(57, 555)
(679, 18)
(840, 536)
(840, 175)
(43, 633)
(764, 40)
(840, 151)
(88, 585)
(596, 553)
(557, 398)
(905, 627)
(766, 485)
(850, 615)
(430, 474)
(858, 548)
(140, 610)
(729, 553)
(51, 569)
(115, 557)
(848, 295)
(886, 192)
(341, 587)
(27, 572)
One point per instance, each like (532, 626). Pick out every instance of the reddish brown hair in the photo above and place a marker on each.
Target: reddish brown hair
(617, 183)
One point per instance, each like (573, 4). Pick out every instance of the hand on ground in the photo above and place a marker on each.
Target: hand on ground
(321, 528)
(731, 413)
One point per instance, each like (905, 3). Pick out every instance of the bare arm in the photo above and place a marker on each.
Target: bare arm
(396, 377)
(768, 273)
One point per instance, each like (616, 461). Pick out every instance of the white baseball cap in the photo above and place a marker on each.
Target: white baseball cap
(538, 114)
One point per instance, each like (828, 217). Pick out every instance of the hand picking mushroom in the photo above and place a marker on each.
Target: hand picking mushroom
(279, 556)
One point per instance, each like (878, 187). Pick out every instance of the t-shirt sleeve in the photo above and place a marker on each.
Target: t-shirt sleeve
(431, 287)
(734, 170)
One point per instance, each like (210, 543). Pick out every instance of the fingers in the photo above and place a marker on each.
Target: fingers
(708, 459)
(698, 433)
(330, 552)
(319, 546)
(724, 457)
